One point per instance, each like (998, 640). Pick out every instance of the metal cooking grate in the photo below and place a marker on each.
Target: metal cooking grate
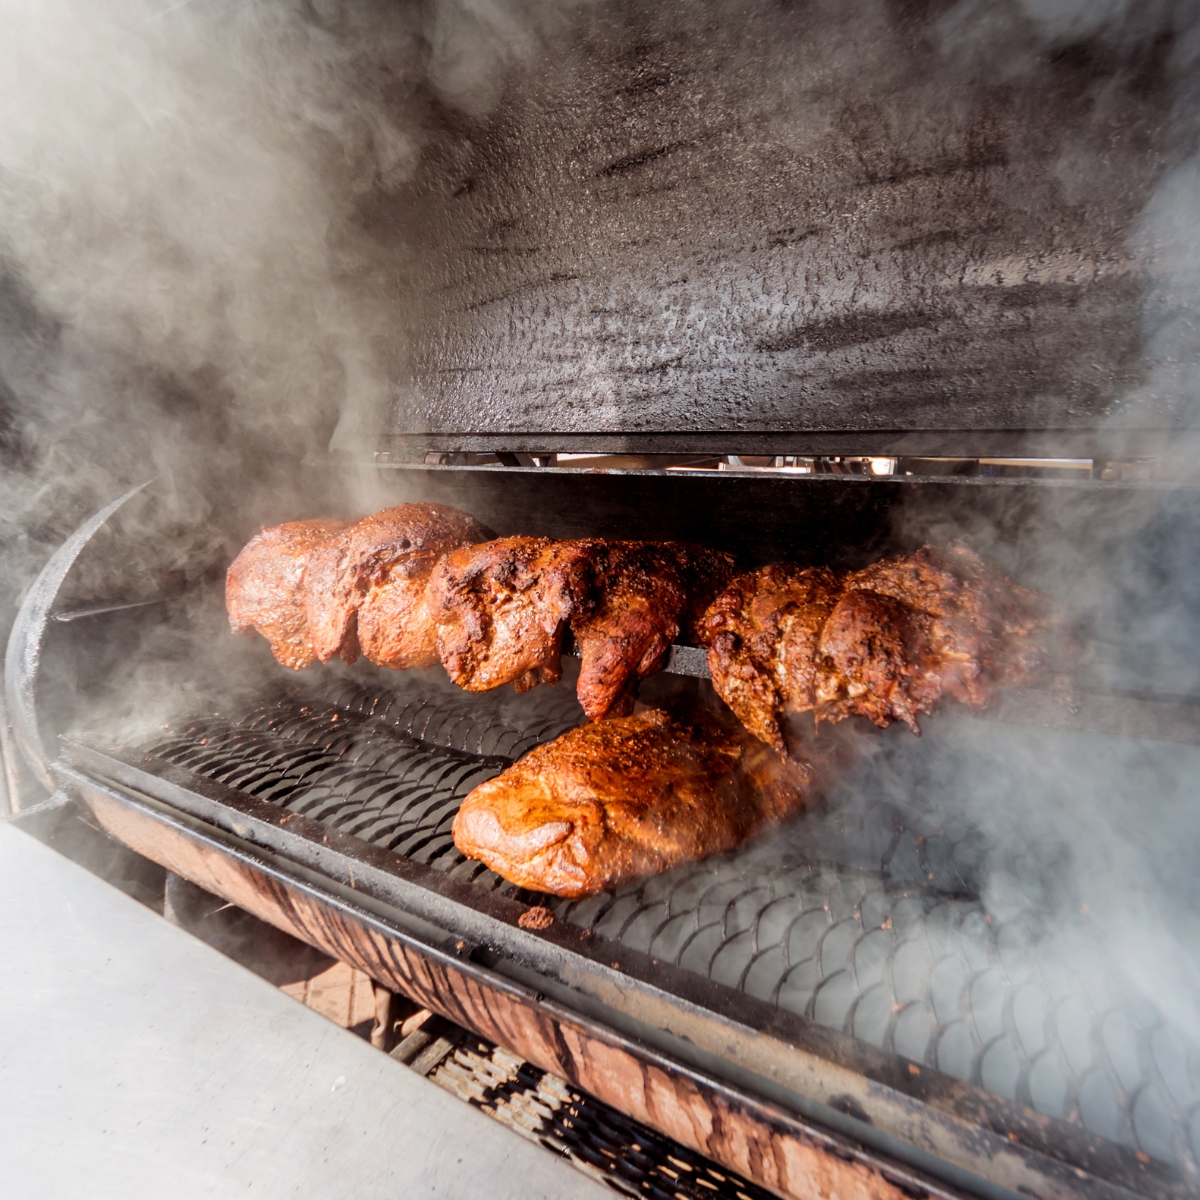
(499, 724)
(938, 981)
(599, 1141)
(391, 769)
(905, 956)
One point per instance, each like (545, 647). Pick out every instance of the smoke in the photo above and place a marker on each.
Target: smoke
(195, 285)
(170, 306)
(1045, 903)
(187, 290)
(1082, 843)
(1166, 237)
(209, 226)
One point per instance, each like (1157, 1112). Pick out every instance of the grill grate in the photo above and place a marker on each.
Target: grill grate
(391, 769)
(599, 1141)
(904, 955)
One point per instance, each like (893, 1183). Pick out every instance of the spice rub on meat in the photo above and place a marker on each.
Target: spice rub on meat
(886, 642)
(366, 585)
(625, 798)
(502, 609)
(762, 635)
(419, 582)
(266, 587)
(643, 597)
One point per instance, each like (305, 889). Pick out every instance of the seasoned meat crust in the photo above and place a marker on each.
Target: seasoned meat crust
(266, 587)
(625, 798)
(886, 642)
(643, 597)
(366, 586)
(501, 609)
(762, 634)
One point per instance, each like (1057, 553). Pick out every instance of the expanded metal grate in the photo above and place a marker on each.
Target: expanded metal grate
(1047, 1023)
(391, 769)
(904, 954)
(598, 1140)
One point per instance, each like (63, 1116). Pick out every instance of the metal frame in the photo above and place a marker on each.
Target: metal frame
(937, 1125)
(952, 443)
(23, 655)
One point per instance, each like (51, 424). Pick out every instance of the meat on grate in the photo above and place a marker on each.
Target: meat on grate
(502, 609)
(366, 585)
(625, 798)
(886, 642)
(266, 587)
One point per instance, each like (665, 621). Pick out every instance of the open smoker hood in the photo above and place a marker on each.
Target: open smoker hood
(828, 229)
(635, 249)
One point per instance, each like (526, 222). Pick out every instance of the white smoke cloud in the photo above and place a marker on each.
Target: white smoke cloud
(1166, 239)
(185, 292)
(1074, 20)
(165, 208)
(186, 288)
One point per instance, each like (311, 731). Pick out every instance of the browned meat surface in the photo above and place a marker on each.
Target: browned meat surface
(624, 798)
(879, 662)
(494, 612)
(366, 586)
(266, 587)
(500, 610)
(886, 642)
(644, 595)
(762, 634)
(986, 629)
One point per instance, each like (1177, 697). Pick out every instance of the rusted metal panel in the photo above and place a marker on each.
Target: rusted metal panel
(972, 1134)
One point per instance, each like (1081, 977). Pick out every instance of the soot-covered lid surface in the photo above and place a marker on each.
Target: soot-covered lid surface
(870, 216)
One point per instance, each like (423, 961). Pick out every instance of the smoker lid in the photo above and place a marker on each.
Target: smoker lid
(878, 221)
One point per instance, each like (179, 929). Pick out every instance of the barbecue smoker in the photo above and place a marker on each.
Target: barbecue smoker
(816, 324)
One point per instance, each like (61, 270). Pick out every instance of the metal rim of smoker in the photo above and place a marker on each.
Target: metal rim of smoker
(972, 1140)
(864, 1096)
(413, 459)
(346, 910)
(410, 449)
